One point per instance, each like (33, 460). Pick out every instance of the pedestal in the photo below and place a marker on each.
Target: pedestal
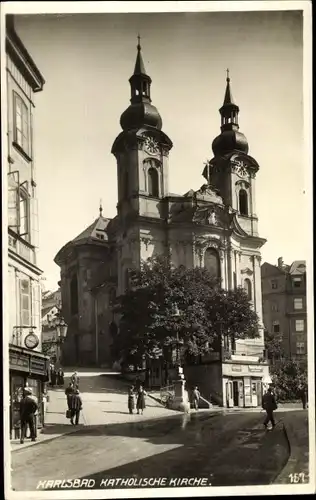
(181, 398)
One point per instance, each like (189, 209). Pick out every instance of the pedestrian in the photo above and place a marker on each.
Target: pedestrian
(141, 404)
(69, 391)
(131, 400)
(75, 407)
(75, 380)
(53, 377)
(303, 395)
(60, 377)
(269, 405)
(196, 398)
(28, 408)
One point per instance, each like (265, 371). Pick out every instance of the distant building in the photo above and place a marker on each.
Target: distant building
(51, 303)
(284, 305)
(27, 364)
(215, 226)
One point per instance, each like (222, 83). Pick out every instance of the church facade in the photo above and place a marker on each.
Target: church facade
(215, 226)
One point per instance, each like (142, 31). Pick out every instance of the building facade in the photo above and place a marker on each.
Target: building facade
(284, 306)
(28, 366)
(51, 304)
(215, 226)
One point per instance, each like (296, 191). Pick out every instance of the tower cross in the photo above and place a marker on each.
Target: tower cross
(138, 38)
(227, 73)
(100, 208)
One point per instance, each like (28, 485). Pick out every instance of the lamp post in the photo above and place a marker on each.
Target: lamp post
(180, 401)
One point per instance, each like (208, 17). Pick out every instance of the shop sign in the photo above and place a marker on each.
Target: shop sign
(38, 366)
(19, 362)
(236, 368)
(255, 368)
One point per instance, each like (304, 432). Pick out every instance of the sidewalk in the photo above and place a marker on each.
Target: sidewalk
(56, 424)
(298, 441)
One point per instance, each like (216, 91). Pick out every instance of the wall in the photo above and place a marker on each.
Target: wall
(207, 377)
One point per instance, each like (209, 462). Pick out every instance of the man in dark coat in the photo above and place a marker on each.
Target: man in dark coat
(303, 395)
(75, 407)
(69, 391)
(269, 405)
(28, 407)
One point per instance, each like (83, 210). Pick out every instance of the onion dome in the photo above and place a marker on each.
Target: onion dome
(140, 112)
(230, 138)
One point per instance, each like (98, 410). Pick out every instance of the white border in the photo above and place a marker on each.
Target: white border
(172, 6)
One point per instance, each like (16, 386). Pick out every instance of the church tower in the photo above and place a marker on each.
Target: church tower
(142, 154)
(232, 170)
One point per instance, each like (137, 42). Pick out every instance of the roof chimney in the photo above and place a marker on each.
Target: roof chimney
(280, 263)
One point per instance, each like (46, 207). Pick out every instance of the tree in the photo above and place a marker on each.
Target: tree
(288, 377)
(273, 345)
(206, 312)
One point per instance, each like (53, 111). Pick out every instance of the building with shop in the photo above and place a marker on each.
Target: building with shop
(28, 365)
(284, 305)
(215, 226)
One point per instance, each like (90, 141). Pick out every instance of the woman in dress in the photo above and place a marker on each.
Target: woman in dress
(140, 405)
(131, 399)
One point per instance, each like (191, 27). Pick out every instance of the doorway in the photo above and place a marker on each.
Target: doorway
(235, 393)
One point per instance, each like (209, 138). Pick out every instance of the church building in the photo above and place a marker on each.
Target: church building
(215, 226)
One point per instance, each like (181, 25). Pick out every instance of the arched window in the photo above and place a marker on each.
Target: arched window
(153, 182)
(243, 202)
(74, 295)
(212, 262)
(248, 288)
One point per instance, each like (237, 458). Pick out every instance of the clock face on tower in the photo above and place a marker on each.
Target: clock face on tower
(151, 146)
(240, 168)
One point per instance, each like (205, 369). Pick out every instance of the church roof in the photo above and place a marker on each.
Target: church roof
(96, 231)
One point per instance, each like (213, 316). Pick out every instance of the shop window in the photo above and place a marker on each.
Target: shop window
(74, 295)
(212, 262)
(243, 202)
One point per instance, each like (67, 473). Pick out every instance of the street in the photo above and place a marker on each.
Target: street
(227, 448)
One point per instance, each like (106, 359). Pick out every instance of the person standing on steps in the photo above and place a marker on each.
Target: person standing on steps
(69, 391)
(131, 400)
(141, 404)
(75, 407)
(28, 408)
(196, 398)
(269, 405)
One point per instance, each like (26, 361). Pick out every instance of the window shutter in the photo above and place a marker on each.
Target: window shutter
(25, 301)
(34, 221)
(25, 209)
(13, 200)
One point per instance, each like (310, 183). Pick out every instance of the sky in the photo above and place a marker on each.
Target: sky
(87, 59)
